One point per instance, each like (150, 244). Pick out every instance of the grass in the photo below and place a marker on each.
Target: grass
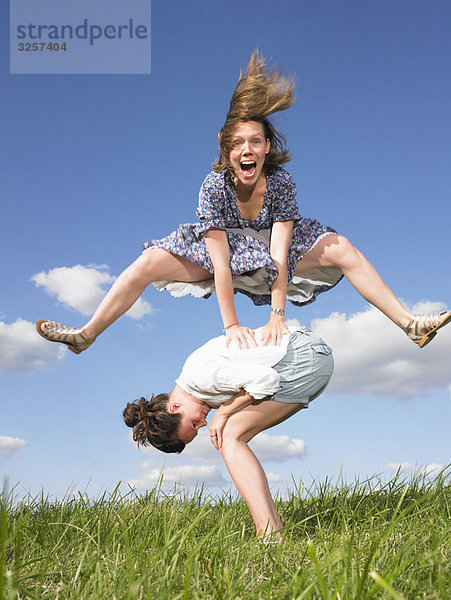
(358, 541)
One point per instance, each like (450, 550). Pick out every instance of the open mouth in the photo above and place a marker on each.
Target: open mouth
(248, 168)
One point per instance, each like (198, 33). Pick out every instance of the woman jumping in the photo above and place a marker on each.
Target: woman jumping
(250, 236)
(253, 390)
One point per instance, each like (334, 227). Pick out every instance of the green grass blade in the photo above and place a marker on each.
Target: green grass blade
(386, 586)
(319, 573)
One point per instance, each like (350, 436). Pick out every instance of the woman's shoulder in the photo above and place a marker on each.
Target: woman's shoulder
(278, 177)
(217, 185)
(214, 179)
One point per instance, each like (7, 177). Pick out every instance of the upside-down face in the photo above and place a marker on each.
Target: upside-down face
(193, 417)
(249, 149)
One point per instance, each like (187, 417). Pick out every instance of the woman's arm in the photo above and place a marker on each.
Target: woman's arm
(280, 243)
(218, 248)
(230, 407)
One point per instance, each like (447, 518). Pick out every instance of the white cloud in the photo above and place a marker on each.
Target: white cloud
(186, 475)
(374, 357)
(274, 478)
(146, 465)
(294, 322)
(23, 350)
(400, 467)
(11, 446)
(79, 287)
(430, 471)
(276, 448)
(140, 309)
(82, 288)
(201, 449)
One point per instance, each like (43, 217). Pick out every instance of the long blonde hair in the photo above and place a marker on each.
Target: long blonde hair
(260, 92)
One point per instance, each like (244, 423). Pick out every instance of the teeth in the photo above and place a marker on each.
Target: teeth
(247, 162)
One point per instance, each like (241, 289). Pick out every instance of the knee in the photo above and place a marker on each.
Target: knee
(231, 449)
(340, 253)
(147, 264)
(229, 440)
(233, 436)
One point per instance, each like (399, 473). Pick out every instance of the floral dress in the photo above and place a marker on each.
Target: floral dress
(253, 269)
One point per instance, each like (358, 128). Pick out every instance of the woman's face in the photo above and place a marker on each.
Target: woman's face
(249, 149)
(193, 417)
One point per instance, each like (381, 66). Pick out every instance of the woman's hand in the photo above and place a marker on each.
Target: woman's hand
(216, 428)
(274, 330)
(243, 336)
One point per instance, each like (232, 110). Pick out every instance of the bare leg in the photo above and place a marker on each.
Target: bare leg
(336, 251)
(244, 468)
(154, 265)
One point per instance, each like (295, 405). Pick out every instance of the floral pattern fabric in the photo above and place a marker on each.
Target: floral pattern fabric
(218, 208)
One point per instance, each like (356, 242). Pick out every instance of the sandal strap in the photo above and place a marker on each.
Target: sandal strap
(55, 332)
(429, 323)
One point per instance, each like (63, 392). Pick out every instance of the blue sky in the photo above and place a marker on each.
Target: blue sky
(92, 166)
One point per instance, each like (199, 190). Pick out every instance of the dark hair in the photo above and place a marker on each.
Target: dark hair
(152, 424)
(261, 91)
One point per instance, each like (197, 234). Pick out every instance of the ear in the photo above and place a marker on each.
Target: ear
(268, 146)
(173, 408)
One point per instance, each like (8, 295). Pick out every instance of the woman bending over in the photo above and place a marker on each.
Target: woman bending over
(252, 390)
(250, 237)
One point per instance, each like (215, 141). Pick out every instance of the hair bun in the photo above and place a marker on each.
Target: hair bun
(152, 424)
(135, 411)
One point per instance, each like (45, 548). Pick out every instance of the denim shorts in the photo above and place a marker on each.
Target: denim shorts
(305, 370)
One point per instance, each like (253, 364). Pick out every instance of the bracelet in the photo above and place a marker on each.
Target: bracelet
(278, 311)
(231, 325)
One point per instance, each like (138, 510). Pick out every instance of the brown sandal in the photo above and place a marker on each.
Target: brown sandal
(74, 338)
(431, 322)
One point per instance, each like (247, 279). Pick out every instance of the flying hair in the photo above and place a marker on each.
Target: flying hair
(260, 92)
